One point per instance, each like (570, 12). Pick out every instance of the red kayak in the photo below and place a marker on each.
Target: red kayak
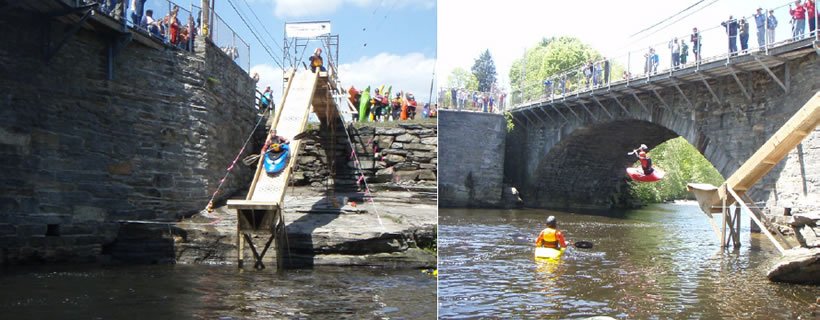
(637, 175)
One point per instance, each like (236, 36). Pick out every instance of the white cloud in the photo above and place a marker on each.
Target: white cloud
(269, 76)
(411, 72)
(304, 8)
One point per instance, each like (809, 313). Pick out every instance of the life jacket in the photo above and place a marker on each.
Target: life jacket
(548, 238)
(317, 61)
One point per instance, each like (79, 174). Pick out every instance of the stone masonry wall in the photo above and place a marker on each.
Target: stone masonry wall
(472, 171)
(80, 152)
(407, 156)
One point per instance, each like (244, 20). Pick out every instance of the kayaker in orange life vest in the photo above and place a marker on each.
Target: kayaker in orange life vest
(316, 61)
(646, 161)
(551, 237)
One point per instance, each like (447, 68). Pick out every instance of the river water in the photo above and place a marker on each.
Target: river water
(214, 292)
(657, 263)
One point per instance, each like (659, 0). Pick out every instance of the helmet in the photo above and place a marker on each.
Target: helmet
(643, 147)
(551, 222)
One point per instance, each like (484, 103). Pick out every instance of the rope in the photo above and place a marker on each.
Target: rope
(210, 206)
(368, 194)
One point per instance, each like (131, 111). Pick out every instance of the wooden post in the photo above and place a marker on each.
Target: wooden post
(737, 227)
(724, 212)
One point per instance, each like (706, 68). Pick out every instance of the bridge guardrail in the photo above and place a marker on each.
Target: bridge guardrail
(634, 66)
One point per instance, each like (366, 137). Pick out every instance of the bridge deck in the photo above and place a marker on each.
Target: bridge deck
(696, 73)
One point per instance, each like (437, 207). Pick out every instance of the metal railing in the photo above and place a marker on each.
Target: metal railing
(636, 65)
(224, 37)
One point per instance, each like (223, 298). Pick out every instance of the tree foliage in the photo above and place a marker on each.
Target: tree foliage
(461, 78)
(484, 71)
(549, 58)
(683, 164)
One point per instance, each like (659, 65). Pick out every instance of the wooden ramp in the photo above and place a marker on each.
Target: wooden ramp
(718, 199)
(261, 212)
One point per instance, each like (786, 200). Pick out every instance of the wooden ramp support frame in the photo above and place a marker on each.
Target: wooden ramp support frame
(733, 192)
(261, 213)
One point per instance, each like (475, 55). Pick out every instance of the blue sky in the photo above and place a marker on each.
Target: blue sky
(400, 37)
(507, 28)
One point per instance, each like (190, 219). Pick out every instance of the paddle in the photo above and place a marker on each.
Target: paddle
(582, 244)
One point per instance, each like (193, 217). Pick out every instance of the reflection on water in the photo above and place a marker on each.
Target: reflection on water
(209, 292)
(661, 262)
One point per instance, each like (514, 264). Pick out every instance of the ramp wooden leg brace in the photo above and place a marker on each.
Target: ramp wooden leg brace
(260, 220)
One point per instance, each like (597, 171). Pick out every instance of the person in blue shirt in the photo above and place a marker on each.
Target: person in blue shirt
(760, 23)
(267, 100)
(731, 26)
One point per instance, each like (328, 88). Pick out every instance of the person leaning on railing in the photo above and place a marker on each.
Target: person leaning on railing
(798, 14)
(771, 24)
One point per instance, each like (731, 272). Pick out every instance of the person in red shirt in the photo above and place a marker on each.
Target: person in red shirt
(551, 237)
(811, 15)
(798, 14)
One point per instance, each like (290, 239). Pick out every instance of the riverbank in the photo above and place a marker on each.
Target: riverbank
(397, 230)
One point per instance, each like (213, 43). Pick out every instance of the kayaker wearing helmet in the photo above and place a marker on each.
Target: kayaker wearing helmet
(316, 61)
(646, 161)
(551, 237)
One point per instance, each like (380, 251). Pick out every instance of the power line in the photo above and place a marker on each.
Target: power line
(262, 24)
(255, 35)
(667, 19)
(675, 21)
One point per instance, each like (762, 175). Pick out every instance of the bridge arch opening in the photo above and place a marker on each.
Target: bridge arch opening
(585, 170)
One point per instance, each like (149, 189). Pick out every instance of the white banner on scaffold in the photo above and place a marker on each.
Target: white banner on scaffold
(307, 29)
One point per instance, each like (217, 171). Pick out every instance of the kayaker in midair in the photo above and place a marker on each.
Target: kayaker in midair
(551, 237)
(646, 161)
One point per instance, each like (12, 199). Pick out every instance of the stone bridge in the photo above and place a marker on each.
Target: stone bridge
(570, 151)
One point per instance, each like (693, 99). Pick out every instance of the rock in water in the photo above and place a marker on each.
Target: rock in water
(800, 266)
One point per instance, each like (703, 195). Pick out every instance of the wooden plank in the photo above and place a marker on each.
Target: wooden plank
(259, 167)
(778, 146)
(249, 204)
(290, 121)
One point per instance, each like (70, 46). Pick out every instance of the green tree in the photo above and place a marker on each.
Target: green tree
(547, 60)
(461, 78)
(484, 71)
(683, 164)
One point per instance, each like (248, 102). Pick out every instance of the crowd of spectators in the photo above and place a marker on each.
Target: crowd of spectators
(464, 99)
(594, 74)
(167, 29)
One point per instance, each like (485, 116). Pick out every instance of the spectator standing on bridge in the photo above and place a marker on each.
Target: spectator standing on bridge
(744, 34)
(811, 15)
(695, 38)
(798, 14)
(588, 72)
(684, 52)
(597, 73)
(760, 23)
(654, 61)
(731, 27)
(548, 88)
(771, 23)
(647, 66)
(551, 237)
(316, 61)
(674, 47)
(137, 7)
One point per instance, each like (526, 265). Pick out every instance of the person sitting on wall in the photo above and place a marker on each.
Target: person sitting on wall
(316, 61)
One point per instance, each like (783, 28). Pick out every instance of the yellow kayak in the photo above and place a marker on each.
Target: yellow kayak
(548, 253)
